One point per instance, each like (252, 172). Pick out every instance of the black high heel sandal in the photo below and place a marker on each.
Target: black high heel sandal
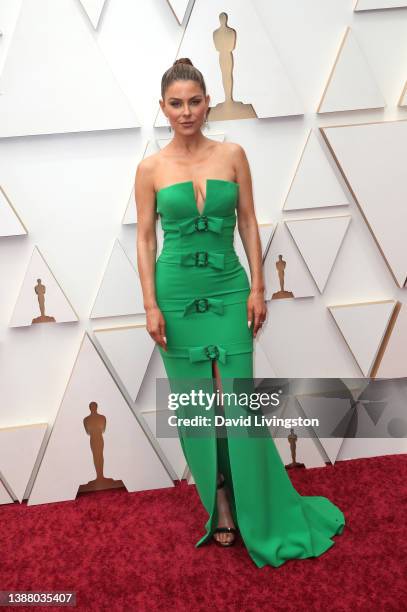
(224, 529)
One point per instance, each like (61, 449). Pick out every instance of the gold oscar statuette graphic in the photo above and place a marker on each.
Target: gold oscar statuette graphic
(292, 439)
(224, 39)
(95, 426)
(40, 291)
(278, 295)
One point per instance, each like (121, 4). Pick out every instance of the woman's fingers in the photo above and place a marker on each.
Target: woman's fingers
(159, 338)
(249, 316)
(257, 322)
(259, 318)
(156, 327)
(163, 339)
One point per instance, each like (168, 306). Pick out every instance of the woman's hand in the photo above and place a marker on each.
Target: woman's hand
(256, 310)
(156, 326)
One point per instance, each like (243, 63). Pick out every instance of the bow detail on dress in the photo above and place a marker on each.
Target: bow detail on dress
(203, 304)
(203, 258)
(201, 223)
(210, 351)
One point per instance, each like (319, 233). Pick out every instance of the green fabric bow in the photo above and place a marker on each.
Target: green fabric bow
(216, 260)
(189, 226)
(211, 351)
(214, 304)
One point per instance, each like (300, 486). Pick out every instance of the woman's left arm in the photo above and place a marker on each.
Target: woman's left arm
(249, 233)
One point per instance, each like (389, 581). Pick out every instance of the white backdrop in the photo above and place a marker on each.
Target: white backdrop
(71, 186)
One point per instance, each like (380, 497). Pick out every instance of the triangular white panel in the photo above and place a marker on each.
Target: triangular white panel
(147, 395)
(262, 367)
(351, 85)
(332, 447)
(366, 424)
(9, 11)
(171, 447)
(94, 10)
(296, 276)
(403, 96)
(179, 8)
(10, 223)
(315, 184)
(319, 241)
(4, 496)
(269, 92)
(146, 405)
(68, 461)
(39, 280)
(128, 349)
(265, 232)
(364, 326)
(120, 291)
(394, 361)
(378, 419)
(19, 447)
(190, 478)
(367, 5)
(377, 151)
(56, 64)
(130, 216)
(337, 409)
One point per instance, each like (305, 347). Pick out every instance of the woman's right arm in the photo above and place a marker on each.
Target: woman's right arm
(147, 249)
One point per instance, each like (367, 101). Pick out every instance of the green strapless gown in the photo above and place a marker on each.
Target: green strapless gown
(202, 290)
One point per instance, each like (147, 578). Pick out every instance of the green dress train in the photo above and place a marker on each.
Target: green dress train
(202, 290)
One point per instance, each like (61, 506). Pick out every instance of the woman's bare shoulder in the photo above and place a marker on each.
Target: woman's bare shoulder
(232, 155)
(233, 148)
(233, 151)
(147, 171)
(148, 164)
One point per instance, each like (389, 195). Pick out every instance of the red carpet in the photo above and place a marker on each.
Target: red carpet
(126, 552)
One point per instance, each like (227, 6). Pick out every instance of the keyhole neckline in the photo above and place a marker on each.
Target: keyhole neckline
(191, 183)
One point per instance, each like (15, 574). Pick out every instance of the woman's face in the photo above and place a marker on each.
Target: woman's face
(185, 106)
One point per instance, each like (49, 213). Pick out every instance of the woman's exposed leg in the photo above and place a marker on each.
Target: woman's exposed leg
(224, 515)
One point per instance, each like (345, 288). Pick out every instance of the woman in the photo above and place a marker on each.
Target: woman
(203, 314)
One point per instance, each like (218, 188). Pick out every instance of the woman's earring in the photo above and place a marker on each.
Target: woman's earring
(169, 126)
(206, 122)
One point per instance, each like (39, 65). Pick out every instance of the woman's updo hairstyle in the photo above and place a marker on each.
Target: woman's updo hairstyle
(182, 69)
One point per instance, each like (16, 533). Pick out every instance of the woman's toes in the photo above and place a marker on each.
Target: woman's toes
(224, 537)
